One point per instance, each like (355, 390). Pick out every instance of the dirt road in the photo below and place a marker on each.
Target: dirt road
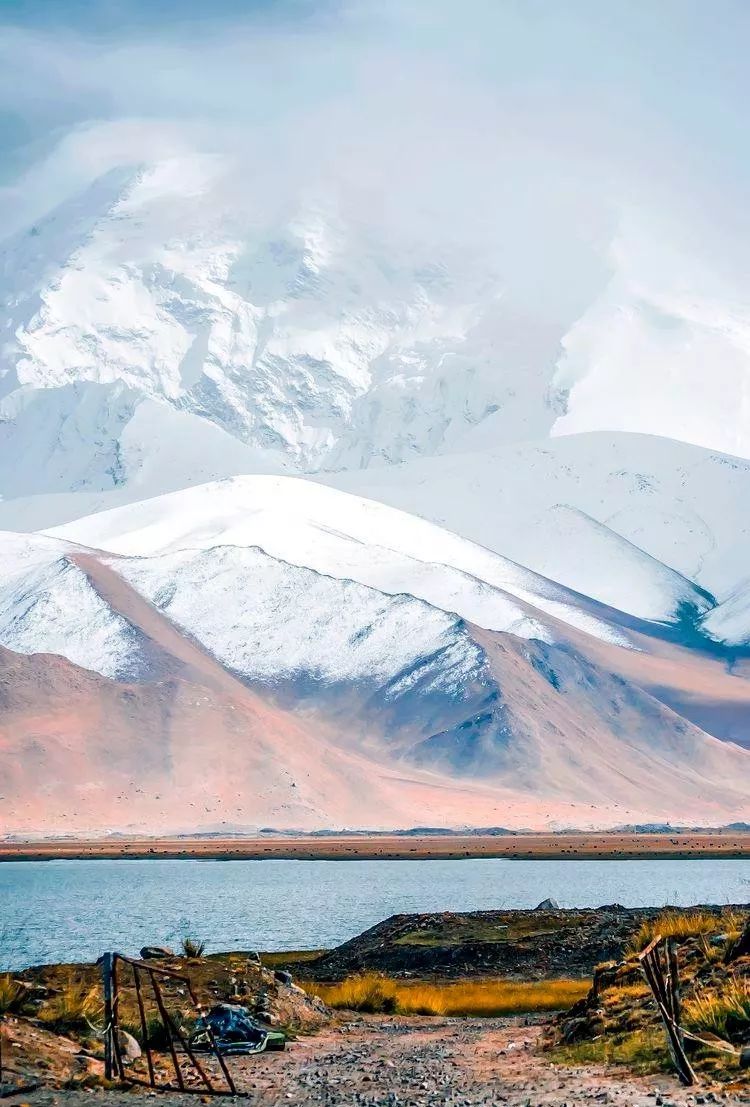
(398, 1062)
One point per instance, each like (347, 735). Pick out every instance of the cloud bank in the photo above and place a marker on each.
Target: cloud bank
(576, 145)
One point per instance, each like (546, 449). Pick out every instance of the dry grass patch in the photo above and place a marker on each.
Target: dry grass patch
(643, 1051)
(375, 993)
(680, 925)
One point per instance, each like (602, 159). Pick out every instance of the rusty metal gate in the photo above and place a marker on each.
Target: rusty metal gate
(151, 984)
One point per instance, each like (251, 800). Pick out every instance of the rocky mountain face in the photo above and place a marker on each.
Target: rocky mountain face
(298, 496)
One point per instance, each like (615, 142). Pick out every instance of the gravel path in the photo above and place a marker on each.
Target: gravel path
(400, 1062)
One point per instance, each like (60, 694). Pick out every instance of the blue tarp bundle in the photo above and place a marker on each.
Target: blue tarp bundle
(234, 1030)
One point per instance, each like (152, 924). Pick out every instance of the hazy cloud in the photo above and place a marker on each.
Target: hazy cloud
(529, 126)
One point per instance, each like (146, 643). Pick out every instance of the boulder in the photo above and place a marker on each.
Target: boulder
(572, 1029)
(156, 953)
(745, 1057)
(129, 1048)
(605, 975)
(283, 977)
(741, 947)
(548, 905)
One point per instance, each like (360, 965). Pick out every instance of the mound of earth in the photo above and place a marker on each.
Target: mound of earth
(58, 1009)
(527, 945)
(53, 1030)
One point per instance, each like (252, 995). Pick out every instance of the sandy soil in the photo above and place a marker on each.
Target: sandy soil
(387, 1062)
(530, 846)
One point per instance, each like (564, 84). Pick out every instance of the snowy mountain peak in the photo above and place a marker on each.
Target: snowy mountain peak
(311, 336)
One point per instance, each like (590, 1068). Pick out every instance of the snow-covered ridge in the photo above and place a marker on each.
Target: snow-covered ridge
(344, 536)
(260, 617)
(274, 622)
(632, 520)
(730, 621)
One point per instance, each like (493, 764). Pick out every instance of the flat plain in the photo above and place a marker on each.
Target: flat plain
(611, 846)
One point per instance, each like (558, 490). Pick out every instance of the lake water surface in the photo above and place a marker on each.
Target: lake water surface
(74, 910)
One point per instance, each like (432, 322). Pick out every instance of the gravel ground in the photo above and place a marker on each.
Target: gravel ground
(401, 1062)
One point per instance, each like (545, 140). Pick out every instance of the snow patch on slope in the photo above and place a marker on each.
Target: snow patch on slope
(589, 557)
(22, 553)
(52, 608)
(730, 621)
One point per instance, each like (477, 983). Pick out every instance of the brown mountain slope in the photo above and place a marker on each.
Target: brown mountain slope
(553, 737)
(83, 754)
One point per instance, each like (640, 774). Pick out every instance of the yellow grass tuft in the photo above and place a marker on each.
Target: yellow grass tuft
(73, 1008)
(193, 948)
(625, 993)
(672, 924)
(11, 994)
(372, 992)
(725, 1012)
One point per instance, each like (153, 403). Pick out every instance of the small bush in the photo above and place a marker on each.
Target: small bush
(12, 994)
(193, 948)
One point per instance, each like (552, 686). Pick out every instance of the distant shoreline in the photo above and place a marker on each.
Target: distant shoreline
(551, 847)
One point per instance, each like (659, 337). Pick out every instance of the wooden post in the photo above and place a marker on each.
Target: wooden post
(666, 989)
(108, 1029)
(165, 1018)
(144, 1026)
(116, 1049)
(212, 1040)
